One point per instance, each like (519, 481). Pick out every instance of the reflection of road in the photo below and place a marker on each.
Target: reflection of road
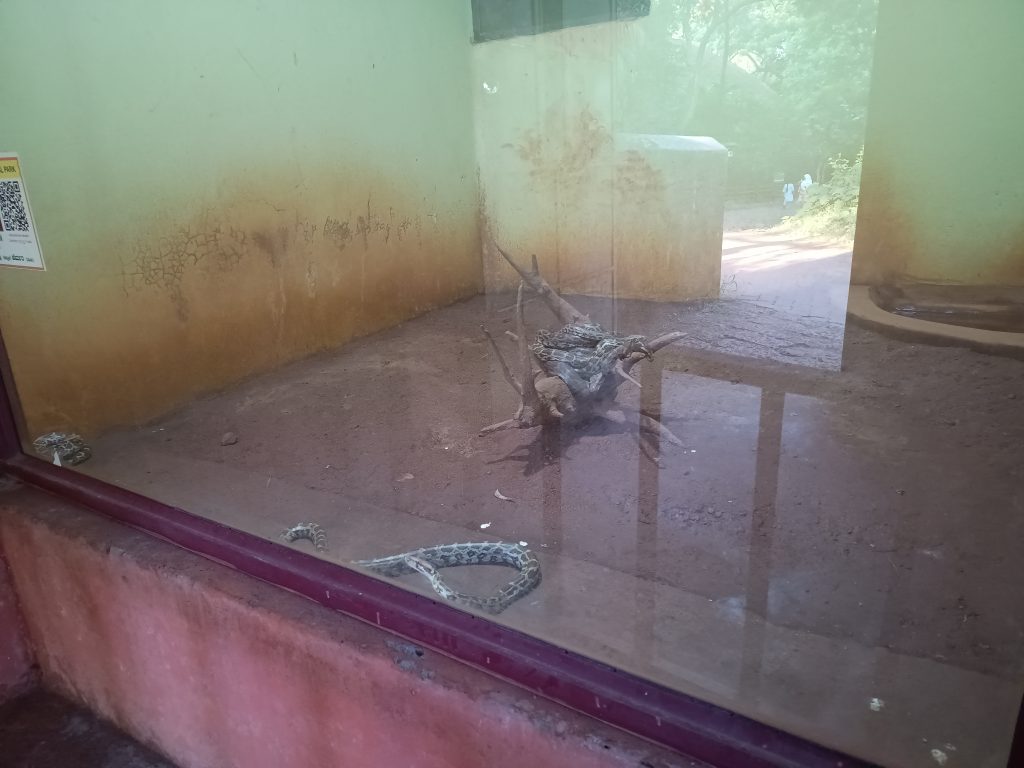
(790, 274)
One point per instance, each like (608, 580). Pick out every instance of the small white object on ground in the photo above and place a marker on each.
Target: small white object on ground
(403, 478)
(485, 525)
(939, 756)
(876, 705)
(499, 495)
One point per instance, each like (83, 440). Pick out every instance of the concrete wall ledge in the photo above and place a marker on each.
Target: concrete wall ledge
(215, 669)
(862, 310)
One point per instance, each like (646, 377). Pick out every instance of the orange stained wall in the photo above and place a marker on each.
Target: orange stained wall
(220, 188)
(942, 193)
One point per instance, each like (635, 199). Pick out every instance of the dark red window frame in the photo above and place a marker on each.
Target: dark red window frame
(665, 716)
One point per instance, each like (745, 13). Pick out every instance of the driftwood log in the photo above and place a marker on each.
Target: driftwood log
(553, 391)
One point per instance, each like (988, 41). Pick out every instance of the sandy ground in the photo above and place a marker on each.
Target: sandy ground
(834, 549)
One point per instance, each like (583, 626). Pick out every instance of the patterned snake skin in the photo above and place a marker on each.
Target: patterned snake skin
(583, 354)
(310, 531)
(66, 448)
(428, 560)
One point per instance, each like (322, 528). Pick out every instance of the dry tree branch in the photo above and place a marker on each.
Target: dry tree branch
(506, 424)
(665, 339)
(546, 398)
(563, 310)
(621, 371)
(659, 343)
(530, 401)
(529, 390)
(509, 376)
(653, 425)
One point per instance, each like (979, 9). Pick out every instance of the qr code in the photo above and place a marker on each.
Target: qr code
(13, 216)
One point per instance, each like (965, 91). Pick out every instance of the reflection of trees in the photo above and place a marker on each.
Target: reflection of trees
(776, 79)
(700, 25)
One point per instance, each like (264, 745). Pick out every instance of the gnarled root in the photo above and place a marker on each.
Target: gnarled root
(659, 343)
(565, 311)
(498, 427)
(652, 425)
(546, 399)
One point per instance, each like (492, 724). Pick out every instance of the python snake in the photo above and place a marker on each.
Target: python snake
(583, 355)
(63, 448)
(428, 560)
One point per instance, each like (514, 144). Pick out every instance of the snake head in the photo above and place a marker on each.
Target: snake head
(637, 343)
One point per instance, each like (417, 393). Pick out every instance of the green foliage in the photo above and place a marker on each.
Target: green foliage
(816, 54)
(830, 208)
(784, 83)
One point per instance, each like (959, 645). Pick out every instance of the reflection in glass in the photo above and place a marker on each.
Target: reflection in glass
(553, 325)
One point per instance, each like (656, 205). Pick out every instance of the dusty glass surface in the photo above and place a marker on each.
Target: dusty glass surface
(284, 252)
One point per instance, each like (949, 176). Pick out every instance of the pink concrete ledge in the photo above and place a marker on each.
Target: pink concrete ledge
(213, 668)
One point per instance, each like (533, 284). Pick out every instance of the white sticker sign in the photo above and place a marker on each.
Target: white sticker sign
(19, 246)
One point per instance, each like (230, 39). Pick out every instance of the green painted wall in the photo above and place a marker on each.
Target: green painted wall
(561, 178)
(220, 187)
(942, 195)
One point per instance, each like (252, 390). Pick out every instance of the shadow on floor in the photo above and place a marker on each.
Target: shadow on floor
(42, 730)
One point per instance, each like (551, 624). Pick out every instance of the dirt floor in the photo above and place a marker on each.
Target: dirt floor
(42, 730)
(834, 549)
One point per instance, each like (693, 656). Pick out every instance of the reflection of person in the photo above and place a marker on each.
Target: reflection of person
(787, 194)
(805, 184)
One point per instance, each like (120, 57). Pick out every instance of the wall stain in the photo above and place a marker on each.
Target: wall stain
(337, 231)
(306, 229)
(895, 243)
(275, 243)
(884, 242)
(637, 181)
(242, 286)
(161, 263)
(374, 224)
(562, 156)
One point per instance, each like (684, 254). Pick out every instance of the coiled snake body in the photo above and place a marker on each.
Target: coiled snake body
(62, 448)
(428, 560)
(583, 355)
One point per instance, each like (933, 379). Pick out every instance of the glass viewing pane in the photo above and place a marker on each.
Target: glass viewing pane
(290, 285)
